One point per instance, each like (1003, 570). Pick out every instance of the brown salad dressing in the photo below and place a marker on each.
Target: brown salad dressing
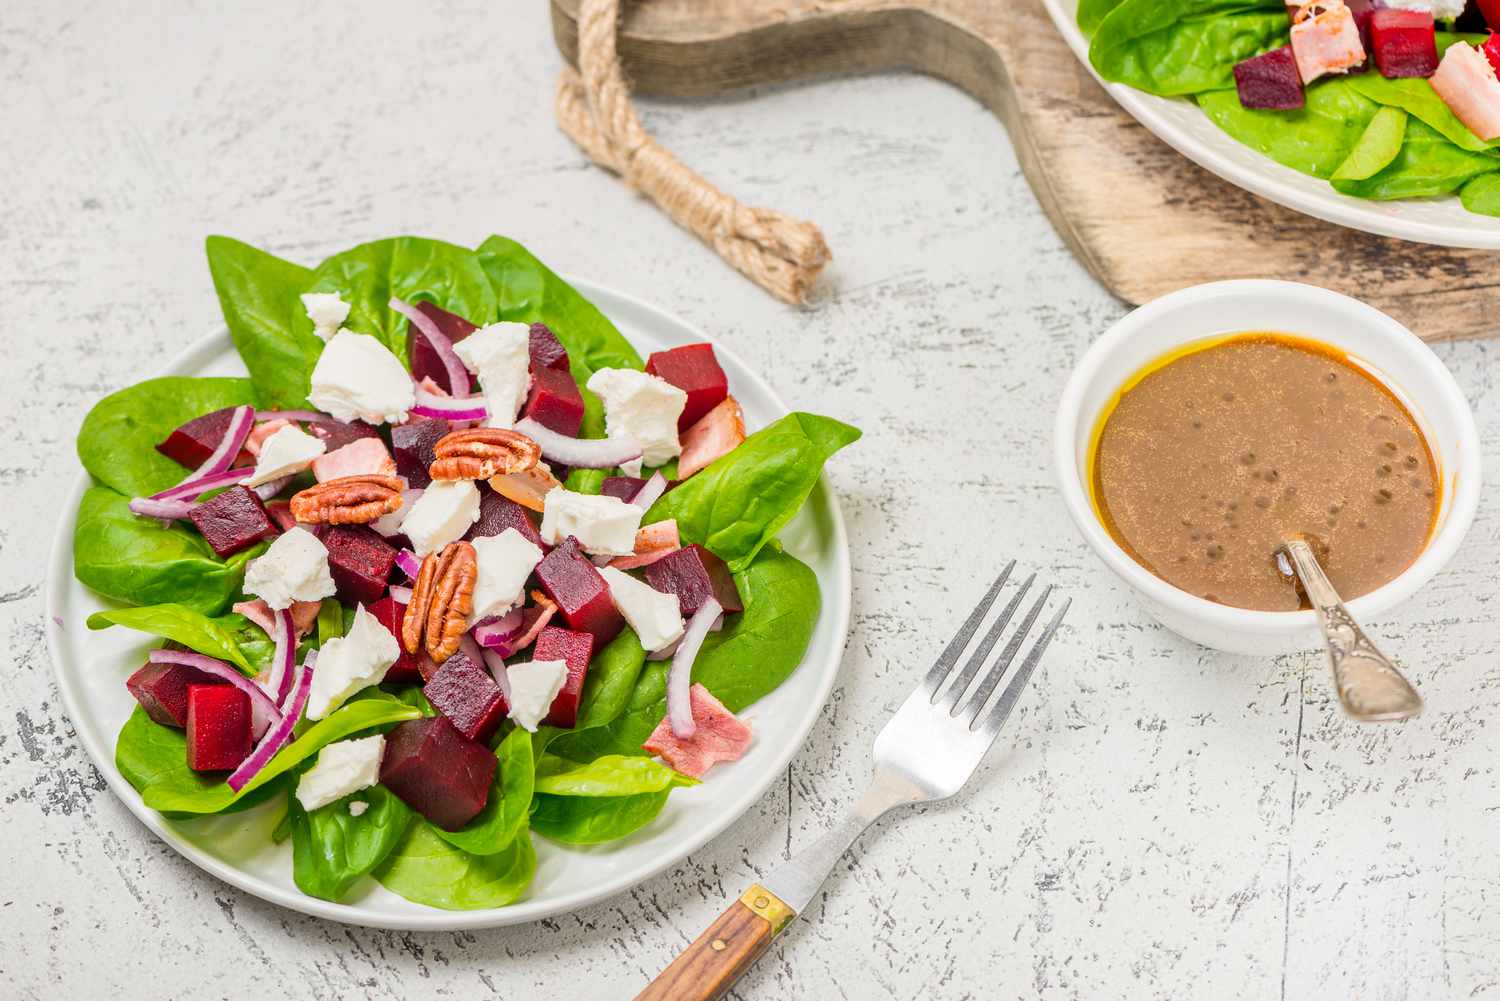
(1213, 455)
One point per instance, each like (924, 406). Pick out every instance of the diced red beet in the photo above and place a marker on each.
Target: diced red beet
(1491, 48)
(424, 360)
(196, 440)
(623, 487)
(413, 445)
(218, 727)
(582, 596)
(497, 513)
(695, 370)
(555, 401)
(546, 350)
(234, 520)
(360, 562)
(464, 692)
(389, 613)
(161, 689)
(1362, 10)
(1404, 41)
(1270, 81)
(574, 649)
(337, 434)
(437, 771)
(1489, 11)
(694, 574)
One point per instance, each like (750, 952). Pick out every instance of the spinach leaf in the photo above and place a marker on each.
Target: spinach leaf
(1428, 164)
(755, 652)
(1175, 47)
(258, 293)
(189, 792)
(1091, 14)
(1416, 97)
(608, 775)
(149, 755)
(1482, 195)
(739, 503)
(407, 267)
(184, 625)
(1316, 139)
(330, 620)
(503, 818)
(332, 848)
(575, 820)
(610, 680)
(426, 869)
(135, 560)
(117, 443)
(1375, 150)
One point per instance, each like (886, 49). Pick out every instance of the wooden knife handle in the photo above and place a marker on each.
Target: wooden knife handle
(717, 958)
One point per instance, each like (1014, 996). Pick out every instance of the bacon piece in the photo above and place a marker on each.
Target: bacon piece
(719, 736)
(260, 432)
(366, 456)
(535, 620)
(1325, 39)
(1466, 82)
(717, 433)
(304, 615)
(652, 542)
(528, 489)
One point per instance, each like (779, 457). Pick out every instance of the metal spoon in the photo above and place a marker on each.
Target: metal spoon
(1370, 686)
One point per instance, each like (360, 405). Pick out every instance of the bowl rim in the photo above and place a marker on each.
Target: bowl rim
(1464, 461)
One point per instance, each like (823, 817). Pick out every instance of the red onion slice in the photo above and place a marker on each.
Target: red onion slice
(580, 453)
(650, 491)
(458, 376)
(271, 488)
(496, 664)
(263, 712)
(401, 594)
(276, 738)
(189, 489)
(452, 408)
(680, 674)
(285, 637)
(409, 562)
(235, 434)
(166, 511)
(498, 632)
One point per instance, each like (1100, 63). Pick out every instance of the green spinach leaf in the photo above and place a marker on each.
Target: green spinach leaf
(1315, 140)
(426, 869)
(575, 820)
(1177, 47)
(1427, 165)
(503, 818)
(332, 848)
(1379, 145)
(1416, 97)
(608, 775)
(151, 755)
(1482, 195)
(258, 293)
(183, 625)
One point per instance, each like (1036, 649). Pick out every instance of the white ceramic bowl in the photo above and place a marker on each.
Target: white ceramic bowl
(1204, 311)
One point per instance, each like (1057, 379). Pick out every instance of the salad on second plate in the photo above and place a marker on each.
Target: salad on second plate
(453, 566)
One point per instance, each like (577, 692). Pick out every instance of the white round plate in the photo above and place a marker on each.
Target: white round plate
(1180, 124)
(91, 669)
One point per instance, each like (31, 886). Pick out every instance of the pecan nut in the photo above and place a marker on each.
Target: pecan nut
(441, 600)
(479, 453)
(348, 500)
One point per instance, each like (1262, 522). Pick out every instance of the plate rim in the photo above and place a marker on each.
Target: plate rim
(423, 917)
(1330, 206)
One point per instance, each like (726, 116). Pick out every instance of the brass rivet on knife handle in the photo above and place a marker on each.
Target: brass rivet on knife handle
(769, 906)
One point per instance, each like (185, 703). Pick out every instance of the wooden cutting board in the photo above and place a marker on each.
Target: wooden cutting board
(1144, 219)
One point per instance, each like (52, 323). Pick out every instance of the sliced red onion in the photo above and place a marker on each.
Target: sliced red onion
(499, 631)
(462, 408)
(261, 416)
(458, 376)
(240, 423)
(536, 620)
(285, 637)
(271, 488)
(401, 594)
(188, 489)
(276, 738)
(581, 453)
(680, 674)
(166, 511)
(496, 664)
(650, 491)
(409, 562)
(263, 712)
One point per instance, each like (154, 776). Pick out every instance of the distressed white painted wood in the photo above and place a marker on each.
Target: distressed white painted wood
(1164, 823)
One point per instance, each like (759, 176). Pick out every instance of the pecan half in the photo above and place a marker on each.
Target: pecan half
(441, 600)
(479, 453)
(348, 500)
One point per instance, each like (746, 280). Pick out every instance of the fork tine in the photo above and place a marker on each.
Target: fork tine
(990, 727)
(939, 671)
(955, 692)
(996, 673)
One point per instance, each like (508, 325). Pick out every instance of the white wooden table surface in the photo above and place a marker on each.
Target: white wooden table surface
(1163, 822)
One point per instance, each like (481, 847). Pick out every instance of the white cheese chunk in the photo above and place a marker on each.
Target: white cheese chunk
(294, 568)
(349, 663)
(1442, 10)
(290, 450)
(343, 767)
(357, 378)
(643, 407)
(500, 354)
(442, 514)
(357, 807)
(603, 525)
(505, 561)
(655, 615)
(327, 312)
(533, 686)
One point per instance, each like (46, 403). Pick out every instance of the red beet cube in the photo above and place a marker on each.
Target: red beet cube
(1362, 11)
(574, 649)
(281, 513)
(161, 689)
(424, 360)
(389, 613)
(337, 434)
(1491, 47)
(360, 562)
(546, 350)
(196, 440)
(235, 519)
(694, 574)
(1405, 42)
(570, 580)
(464, 692)
(413, 446)
(1489, 10)
(497, 513)
(437, 771)
(623, 487)
(555, 401)
(695, 370)
(1270, 81)
(218, 727)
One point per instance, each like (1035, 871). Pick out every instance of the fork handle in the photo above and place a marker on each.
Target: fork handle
(730, 946)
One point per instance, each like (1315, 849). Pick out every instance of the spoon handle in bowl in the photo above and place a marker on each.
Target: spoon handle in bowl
(1369, 684)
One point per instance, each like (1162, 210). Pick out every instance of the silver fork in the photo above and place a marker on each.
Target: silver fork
(926, 753)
